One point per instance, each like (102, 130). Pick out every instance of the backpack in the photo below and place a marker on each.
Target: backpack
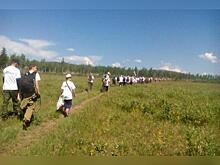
(27, 84)
(90, 78)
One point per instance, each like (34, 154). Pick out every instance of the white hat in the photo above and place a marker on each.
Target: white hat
(68, 75)
(108, 73)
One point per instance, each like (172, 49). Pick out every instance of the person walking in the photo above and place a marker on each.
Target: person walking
(11, 77)
(30, 92)
(121, 80)
(67, 92)
(106, 82)
(90, 81)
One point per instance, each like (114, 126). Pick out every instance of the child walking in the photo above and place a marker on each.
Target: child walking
(68, 92)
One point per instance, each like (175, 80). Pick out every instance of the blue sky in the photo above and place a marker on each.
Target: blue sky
(110, 4)
(179, 40)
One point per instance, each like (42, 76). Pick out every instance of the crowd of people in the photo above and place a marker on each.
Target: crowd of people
(24, 90)
(129, 80)
(123, 80)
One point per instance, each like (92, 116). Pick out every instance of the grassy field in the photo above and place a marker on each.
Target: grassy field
(166, 118)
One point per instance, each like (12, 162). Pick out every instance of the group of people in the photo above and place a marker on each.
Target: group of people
(124, 80)
(24, 91)
(105, 81)
(118, 80)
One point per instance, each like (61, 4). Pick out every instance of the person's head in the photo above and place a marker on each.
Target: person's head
(32, 67)
(15, 62)
(68, 76)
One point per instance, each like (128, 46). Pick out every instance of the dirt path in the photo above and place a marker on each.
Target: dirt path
(25, 139)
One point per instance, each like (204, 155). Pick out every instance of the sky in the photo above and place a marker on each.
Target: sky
(109, 4)
(185, 40)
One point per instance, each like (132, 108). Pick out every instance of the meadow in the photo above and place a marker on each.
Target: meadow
(164, 118)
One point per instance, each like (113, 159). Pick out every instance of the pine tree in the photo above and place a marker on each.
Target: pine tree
(62, 64)
(3, 58)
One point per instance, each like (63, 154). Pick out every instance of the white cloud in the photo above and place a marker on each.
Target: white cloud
(70, 49)
(131, 61)
(35, 49)
(209, 56)
(138, 61)
(88, 60)
(169, 67)
(37, 43)
(116, 64)
(126, 61)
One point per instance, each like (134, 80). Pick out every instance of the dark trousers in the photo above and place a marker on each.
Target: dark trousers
(105, 88)
(90, 84)
(7, 95)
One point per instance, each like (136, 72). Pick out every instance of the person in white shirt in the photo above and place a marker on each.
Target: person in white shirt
(90, 81)
(106, 82)
(11, 77)
(68, 92)
(120, 80)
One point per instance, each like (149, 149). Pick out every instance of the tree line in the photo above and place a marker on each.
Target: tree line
(63, 67)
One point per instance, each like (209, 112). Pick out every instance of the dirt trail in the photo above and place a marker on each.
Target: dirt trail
(27, 138)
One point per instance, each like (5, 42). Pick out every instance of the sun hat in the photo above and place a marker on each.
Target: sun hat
(68, 75)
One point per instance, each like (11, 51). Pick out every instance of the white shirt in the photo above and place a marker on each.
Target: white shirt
(120, 79)
(90, 79)
(67, 91)
(106, 81)
(10, 74)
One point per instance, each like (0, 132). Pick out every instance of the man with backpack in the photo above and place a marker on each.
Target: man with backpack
(11, 77)
(30, 92)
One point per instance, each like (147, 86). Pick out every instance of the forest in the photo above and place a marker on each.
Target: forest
(82, 69)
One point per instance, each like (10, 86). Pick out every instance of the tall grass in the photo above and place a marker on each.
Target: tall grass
(50, 90)
(168, 118)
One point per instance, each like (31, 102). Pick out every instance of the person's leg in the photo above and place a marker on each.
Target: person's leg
(15, 101)
(67, 111)
(67, 107)
(28, 114)
(91, 86)
(104, 88)
(6, 98)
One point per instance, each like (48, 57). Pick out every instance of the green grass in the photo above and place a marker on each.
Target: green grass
(50, 90)
(167, 118)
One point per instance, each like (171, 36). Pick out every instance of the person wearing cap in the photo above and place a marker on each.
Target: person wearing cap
(11, 77)
(30, 92)
(67, 92)
(108, 75)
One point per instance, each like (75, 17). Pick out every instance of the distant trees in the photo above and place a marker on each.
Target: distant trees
(3, 58)
(62, 66)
